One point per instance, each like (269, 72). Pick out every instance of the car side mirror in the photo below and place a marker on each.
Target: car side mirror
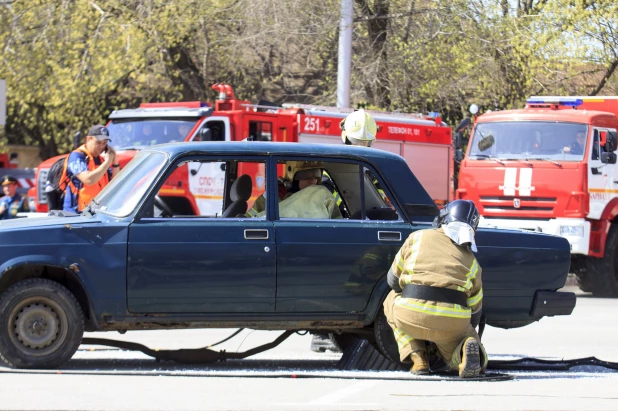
(610, 141)
(608, 158)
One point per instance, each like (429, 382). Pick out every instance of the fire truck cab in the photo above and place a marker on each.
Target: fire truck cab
(551, 167)
(424, 141)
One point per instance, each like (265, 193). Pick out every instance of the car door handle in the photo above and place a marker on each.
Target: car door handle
(256, 234)
(389, 235)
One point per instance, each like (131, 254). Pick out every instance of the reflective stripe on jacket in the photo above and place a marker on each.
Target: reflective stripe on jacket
(429, 257)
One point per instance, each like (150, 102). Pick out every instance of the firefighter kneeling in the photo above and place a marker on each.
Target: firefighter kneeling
(437, 293)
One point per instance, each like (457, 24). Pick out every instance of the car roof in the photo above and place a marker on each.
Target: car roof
(268, 148)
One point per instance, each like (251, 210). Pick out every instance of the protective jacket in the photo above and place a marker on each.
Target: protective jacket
(311, 202)
(430, 258)
(86, 193)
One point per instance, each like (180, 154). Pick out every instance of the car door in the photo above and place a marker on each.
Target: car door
(186, 258)
(329, 264)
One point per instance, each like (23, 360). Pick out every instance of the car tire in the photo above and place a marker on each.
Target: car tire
(41, 324)
(385, 339)
(345, 340)
(604, 271)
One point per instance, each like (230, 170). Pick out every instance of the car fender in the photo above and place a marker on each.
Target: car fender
(32, 259)
(374, 306)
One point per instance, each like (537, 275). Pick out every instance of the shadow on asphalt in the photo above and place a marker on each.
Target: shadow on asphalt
(230, 365)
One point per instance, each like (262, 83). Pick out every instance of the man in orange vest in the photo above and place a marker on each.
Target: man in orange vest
(89, 169)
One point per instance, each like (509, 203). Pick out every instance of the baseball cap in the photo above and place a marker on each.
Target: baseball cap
(100, 132)
(7, 180)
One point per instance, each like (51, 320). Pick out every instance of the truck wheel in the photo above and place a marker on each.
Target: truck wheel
(41, 324)
(581, 266)
(604, 271)
(385, 339)
(585, 280)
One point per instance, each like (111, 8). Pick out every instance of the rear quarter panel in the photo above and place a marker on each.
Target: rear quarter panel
(515, 264)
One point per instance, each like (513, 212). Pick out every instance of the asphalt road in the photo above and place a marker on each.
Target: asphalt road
(291, 377)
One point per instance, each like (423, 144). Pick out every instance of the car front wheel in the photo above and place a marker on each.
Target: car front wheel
(41, 324)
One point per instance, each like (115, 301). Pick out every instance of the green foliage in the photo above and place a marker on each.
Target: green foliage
(68, 64)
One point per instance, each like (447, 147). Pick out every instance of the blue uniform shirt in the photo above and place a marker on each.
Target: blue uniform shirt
(12, 206)
(78, 163)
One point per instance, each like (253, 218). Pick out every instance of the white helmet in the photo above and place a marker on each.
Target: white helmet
(358, 129)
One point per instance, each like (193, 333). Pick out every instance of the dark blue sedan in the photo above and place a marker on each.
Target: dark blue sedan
(199, 235)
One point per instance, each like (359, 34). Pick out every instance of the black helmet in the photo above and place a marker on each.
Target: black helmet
(459, 210)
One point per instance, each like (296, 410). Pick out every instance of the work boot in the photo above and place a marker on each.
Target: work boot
(470, 366)
(421, 363)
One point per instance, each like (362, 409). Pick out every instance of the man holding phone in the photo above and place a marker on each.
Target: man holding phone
(89, 169)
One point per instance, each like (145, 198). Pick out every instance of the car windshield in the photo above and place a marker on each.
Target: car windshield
(139, 133)
(525, 140)
(124, 192)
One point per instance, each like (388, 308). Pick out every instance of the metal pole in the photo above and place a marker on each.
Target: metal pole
(344, 64)
(2, 102)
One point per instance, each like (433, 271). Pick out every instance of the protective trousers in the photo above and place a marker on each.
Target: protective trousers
(412, 329)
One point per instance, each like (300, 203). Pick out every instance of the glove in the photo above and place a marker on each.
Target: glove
(393, 281)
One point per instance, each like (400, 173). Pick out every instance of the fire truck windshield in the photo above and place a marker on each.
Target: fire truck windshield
(135, 134)
(529, 140)
(124, 192)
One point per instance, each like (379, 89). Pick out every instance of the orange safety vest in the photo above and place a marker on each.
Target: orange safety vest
(87, 193)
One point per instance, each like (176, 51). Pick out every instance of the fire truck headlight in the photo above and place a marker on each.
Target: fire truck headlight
(571, 231)
(31, 204)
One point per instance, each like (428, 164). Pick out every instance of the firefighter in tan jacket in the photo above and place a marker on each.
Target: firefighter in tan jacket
(437, 293)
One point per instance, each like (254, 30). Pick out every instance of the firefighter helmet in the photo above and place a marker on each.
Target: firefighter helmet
(358, 129)
(459, 210)
(303, 170)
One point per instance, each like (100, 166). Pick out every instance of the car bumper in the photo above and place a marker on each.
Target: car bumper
(550, 303)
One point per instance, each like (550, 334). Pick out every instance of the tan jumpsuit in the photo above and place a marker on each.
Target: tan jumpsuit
(430, 258)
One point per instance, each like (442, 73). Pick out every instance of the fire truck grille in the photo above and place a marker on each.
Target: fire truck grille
(509, 203)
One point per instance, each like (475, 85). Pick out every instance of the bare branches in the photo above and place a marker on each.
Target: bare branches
(608, 73)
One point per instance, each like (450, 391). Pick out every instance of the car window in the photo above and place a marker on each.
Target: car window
(331, 190)
(124, 192)
(140, 133)
(212, 189)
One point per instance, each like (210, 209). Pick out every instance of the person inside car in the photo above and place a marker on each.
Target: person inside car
(298, 176)
(309, 198)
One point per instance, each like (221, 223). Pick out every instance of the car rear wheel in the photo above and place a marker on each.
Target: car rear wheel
(41, 324)
(385, 339)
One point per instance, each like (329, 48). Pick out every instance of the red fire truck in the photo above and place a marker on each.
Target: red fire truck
(551, 167)
(424, 141)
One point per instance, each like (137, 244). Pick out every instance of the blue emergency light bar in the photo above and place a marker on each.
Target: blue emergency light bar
(562, 101)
